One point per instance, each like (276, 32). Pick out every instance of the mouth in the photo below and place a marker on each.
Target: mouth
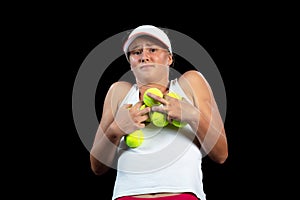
(146, 66)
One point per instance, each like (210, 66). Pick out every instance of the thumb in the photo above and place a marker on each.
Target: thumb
(127, 106)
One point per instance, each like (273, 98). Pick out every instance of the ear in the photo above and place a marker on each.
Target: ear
(170, 59)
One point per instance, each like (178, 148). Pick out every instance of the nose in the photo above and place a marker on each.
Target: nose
(143, 60)
(144, 56)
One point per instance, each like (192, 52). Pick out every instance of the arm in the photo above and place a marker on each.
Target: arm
(205, 118)
(116, 122)
(108, 135)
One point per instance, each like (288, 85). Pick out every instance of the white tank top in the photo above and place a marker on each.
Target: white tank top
(167, 160)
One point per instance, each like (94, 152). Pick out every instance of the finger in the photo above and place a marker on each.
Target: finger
(126, 106)
(141, 125)
(144, 111)
(160, 108)
(172, 99)
(157, 98)
(137, 105)
(167, 97)
(144, 118)
(169, 119)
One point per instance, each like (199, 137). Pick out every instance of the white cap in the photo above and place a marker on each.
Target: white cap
(150, 31)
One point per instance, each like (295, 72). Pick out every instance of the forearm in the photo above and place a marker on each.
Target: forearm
(104, 149)
(210, 132)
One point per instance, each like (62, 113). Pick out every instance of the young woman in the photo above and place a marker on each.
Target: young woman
(167, 165)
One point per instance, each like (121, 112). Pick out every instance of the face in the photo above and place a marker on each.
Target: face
(149, 59)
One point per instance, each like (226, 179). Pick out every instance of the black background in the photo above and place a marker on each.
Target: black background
(224, 46)
(55, 163)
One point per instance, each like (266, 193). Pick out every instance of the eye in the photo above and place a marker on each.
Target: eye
(136, 52)
(152, 50)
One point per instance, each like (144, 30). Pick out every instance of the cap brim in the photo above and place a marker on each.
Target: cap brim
(133, 37)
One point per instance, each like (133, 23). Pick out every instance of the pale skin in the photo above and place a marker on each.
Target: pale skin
(153, 71)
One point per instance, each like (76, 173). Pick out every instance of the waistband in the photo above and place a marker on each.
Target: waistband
(183, 196)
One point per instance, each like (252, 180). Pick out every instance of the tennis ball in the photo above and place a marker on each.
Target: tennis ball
(143, 107)
(135, 138)
(148, 100)
(174, 95)
(159, 119)
(176, 122)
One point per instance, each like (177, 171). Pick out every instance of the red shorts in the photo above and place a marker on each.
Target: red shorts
(183, 196)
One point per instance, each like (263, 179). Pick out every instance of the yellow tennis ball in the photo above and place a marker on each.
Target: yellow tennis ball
(135, 138)
(176, 122)
(148, 100)
(174, 95)
(143, 107)
(159, 119)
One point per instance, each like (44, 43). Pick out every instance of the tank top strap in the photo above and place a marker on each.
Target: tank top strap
(132, 96)
(175, 87)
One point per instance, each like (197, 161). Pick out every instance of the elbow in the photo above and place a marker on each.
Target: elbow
(222, 158)
(221, 153)
(97, 167)
(98, 171)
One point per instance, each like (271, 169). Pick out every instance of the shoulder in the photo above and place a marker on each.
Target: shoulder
(192, 79)
(119, 90)
(192, 76)
(194, 85)
(120, 86)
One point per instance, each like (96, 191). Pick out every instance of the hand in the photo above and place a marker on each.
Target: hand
(175, 109)
(130, 118)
